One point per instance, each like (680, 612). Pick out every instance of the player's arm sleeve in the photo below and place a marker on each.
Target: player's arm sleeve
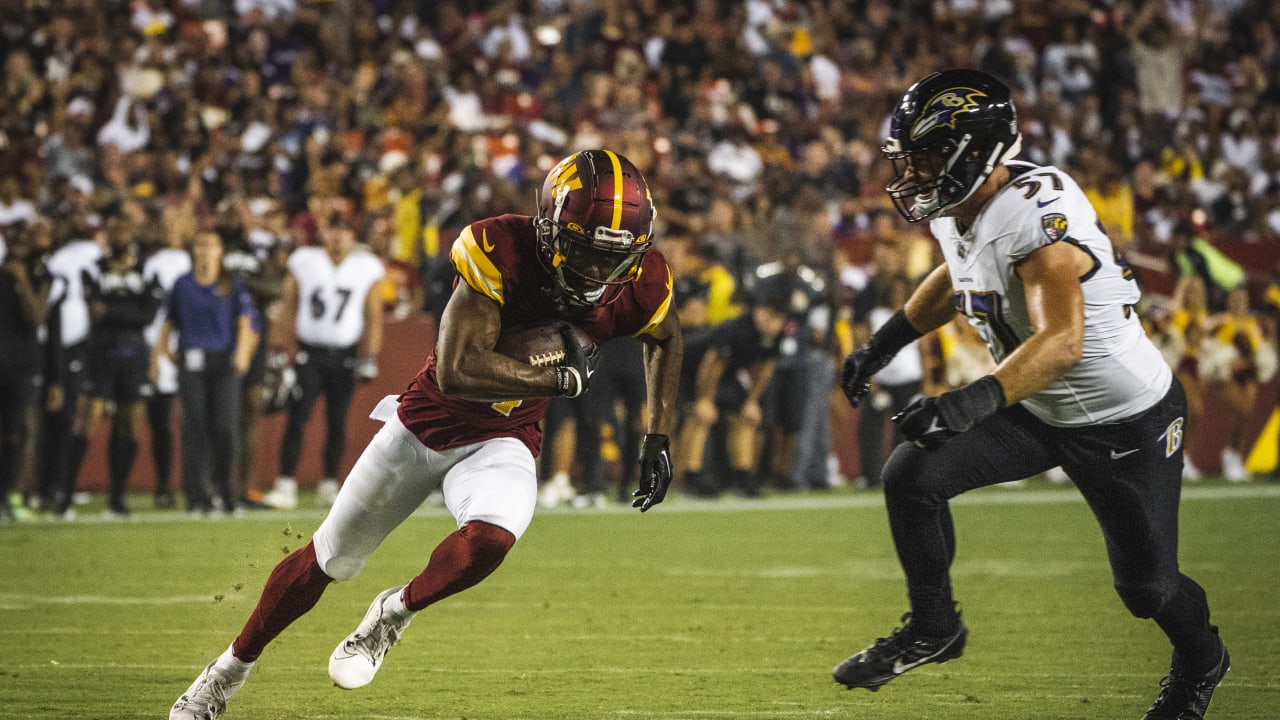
(475, 266)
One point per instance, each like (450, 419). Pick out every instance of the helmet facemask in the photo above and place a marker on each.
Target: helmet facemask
(931, 181)
(586, 267)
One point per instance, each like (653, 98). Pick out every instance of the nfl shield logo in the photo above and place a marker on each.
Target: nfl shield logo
(1054, 226)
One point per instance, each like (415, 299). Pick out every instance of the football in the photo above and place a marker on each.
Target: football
(539, 344)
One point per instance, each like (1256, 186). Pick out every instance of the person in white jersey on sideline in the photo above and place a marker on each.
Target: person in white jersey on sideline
(330, 305)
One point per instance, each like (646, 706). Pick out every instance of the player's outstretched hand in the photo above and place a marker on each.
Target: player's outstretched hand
(859, 367)
(655, 471)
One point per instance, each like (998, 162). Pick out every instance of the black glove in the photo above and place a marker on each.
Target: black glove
(863, 363)
(855, 378)
(575, 372)
(655, 471)
(930, 422)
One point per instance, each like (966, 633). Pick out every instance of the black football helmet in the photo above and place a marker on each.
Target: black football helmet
(947, 134)
(594, 224)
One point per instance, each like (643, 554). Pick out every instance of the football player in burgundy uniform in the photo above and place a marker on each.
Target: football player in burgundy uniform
(1077, 384)
(468, 422)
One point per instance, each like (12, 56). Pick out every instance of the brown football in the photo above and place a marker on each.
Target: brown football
(539, 343)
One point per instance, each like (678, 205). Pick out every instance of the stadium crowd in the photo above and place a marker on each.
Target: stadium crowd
(758, 125)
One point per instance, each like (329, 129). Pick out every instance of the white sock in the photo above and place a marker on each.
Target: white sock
(231, 666)
(394, 606)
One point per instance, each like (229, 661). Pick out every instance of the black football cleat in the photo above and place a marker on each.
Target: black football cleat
(901, 651)
(1187, 698)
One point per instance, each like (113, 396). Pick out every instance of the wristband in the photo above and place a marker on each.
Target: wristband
(568, 382)
(963, 408)
(894, 335)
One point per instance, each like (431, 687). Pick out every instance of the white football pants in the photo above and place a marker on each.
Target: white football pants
(494, 481)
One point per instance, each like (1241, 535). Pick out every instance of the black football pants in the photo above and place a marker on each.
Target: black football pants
(321, 371)
(1130, 474)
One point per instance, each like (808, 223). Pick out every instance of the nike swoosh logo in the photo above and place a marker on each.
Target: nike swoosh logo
(934, 426)
(1045, 203)
(899, 667)
(1117, 455)
(484, 241)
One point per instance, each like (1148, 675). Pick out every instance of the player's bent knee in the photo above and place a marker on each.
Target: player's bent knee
(488, 542)
(342, 568)
(336, 564)
(1145, 600)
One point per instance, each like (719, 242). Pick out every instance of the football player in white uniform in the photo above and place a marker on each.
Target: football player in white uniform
(165, 265)
(68, 344)
(1077, 384)
(330, 304)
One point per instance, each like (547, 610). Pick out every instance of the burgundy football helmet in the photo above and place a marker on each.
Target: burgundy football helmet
(594, 224)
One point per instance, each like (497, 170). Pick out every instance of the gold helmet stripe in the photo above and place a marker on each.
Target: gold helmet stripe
(617, 190)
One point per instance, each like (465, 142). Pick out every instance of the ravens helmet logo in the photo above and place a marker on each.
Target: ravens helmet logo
(942, 109)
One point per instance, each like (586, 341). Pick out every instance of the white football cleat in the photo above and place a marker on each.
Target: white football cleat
(327, 492)
(207, 697)
(284, 496)
(556, 491)
(356, 660)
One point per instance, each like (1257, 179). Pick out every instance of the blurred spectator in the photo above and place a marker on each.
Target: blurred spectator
(212, 314)
(730, 376)
(122, 303)
(257, 252)
(1072, 61)
(332, 309)
(1159, 55)
(616, 402)
(895, 386)
(24, 292)
(164, 265)
(1241, 346)
(14, 209)
(66, 357)
(1188, 324)
(797, 436)
(1192, 255)
(1111, 196)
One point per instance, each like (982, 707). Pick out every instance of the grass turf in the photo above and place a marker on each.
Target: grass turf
(726, 609)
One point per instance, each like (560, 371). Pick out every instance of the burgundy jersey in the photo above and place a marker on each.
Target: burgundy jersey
(498, 258)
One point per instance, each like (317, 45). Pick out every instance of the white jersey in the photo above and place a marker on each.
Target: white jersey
(1122, 372)
(166, 266)
(331, 298)
(67, 267)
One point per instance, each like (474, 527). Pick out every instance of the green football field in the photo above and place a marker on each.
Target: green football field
(724, 609)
